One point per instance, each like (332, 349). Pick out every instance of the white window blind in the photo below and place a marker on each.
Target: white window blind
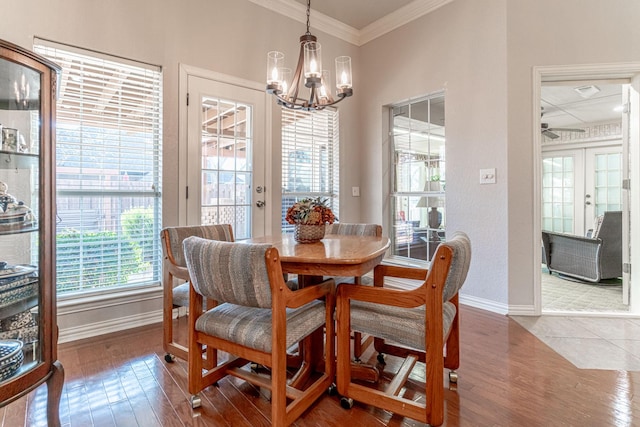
(108, 170)
(310, 158)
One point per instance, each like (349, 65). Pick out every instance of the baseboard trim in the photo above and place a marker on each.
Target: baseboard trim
(484, 304)
(109, 326)
(522, 310)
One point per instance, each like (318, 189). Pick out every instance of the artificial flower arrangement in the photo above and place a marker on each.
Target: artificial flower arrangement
(310, 212)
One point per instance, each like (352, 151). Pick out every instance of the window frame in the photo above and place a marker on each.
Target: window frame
(128, 172)
(421, 185)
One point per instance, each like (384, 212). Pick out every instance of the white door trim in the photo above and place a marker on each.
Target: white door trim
(184, 72)
(551, 73)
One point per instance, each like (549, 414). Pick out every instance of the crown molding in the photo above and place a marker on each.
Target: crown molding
(398, 18)
(324, 23)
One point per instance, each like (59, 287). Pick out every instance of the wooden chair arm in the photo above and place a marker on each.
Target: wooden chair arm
(394, 297)
(382, 270)
(177, 271)
(303, 296)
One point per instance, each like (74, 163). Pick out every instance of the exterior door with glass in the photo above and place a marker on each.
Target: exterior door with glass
(226, 156)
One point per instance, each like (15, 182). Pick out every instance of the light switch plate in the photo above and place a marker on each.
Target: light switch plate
(355, 191)
(488, 176)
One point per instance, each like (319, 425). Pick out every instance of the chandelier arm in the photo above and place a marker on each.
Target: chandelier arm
(295, 82)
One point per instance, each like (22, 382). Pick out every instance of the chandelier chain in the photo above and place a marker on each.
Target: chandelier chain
(308, 15)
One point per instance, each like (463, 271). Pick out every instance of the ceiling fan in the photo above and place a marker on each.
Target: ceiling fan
(550, 131)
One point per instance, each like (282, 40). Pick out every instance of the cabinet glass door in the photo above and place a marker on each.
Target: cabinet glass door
(20, 290)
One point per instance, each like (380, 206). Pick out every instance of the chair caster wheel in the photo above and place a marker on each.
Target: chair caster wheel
(333, 390)
(195, 401)
(346, 402)
(453, 377)
(380, 358)
(169, 358)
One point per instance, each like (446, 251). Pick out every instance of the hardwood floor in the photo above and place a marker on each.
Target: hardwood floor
(507, 378)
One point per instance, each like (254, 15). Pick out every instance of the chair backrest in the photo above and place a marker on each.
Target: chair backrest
(609, 226)
(461, 247)
(229, 272)
(346, 229)
(174, 236)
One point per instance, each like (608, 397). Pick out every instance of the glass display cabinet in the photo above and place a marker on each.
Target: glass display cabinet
(28, 329)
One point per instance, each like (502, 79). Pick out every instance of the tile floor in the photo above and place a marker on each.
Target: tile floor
(564, 294)
(589, 342)
(576, 326)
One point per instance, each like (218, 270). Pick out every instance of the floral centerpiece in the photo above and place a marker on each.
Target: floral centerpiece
(309, 217)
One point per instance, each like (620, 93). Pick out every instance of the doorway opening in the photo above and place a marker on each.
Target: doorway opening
(584, 145)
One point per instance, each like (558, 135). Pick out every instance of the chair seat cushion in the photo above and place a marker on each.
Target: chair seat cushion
(181, 295)
(405, 326)
(251, 327)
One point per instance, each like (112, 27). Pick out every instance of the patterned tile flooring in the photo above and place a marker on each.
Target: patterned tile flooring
(586, 324)
(568, 295)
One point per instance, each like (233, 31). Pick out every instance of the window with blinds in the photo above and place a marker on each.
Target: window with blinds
(108, 170)
(310, 158)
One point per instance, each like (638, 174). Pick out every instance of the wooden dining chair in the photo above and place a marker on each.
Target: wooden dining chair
(258, 318)
(174, 269)
(420, 323)
(360, 343)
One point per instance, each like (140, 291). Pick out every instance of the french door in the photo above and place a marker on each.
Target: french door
(580, 184)
(226, 156)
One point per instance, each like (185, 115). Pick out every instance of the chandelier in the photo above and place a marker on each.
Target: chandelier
(315, 78)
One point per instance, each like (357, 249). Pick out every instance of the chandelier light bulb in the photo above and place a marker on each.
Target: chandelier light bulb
(312, 62)
(343, 72)
(275, 61)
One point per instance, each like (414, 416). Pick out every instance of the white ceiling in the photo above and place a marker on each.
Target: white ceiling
(356, 13)
(355, 21)
(564, 106)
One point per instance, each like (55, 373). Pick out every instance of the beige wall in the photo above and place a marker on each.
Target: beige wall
(481, 53)
(225, 36)
(543, 33)
(461, 49)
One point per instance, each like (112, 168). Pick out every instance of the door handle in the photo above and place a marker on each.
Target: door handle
(260, 203)
(259, 189)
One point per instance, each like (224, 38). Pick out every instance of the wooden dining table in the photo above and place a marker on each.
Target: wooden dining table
(335, 256)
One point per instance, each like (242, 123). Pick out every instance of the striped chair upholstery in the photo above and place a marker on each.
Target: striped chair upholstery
(353, 229)
(235, 275)
(407, 326)
(346, 229)
(416, 325)
(360, 343)
(257, 318)
(174, 266)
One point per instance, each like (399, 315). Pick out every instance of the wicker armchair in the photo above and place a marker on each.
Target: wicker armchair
(591, 259)
(416, 325)
(175, 267)
(257, 319)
